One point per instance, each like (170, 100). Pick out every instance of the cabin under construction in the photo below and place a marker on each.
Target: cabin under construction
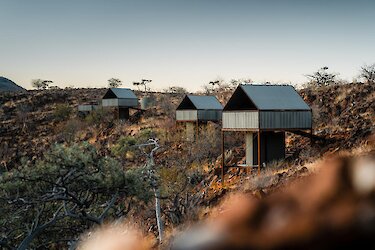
(264, 113)
(122, 100)
(195, 110)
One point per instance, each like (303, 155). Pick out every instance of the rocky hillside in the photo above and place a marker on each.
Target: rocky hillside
(28, 125)
(30, 122)
(344, 117)
(344, 113)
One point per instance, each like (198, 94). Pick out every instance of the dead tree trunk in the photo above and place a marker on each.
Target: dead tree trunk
(159, 220)
(154, 182)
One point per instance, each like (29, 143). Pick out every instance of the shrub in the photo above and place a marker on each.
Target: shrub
(67, 191)
(322, 77)
(62, 112)
(40, 84)
(146, 134)
(69, 129)
(99, 116)
(168, 108)
(367, 73)
(173, 180)
(124, 145)
(114, 83)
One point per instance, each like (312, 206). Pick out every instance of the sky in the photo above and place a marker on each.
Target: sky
(83, 43)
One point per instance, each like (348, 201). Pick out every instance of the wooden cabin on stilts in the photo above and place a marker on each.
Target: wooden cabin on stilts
(264, 113)
(122, 100)
(195, 110)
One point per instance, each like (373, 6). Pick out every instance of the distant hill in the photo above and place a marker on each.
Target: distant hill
(7, 85)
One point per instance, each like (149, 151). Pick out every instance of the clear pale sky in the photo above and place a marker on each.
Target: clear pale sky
(185, 43)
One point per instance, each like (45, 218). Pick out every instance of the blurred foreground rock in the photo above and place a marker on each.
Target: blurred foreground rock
(331, 209)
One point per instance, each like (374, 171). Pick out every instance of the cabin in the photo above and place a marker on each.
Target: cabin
(85, 109)
(122, 100)
(199, 108)
(195, 110)
(264, 113)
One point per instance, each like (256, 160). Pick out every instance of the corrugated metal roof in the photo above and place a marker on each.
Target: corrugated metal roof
(123, 93)
(275, 97)
(205, 102)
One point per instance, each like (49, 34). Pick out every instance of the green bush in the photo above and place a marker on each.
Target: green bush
(62, 112)
(75, 179)
(124, 145)
(146, 134)
(138, 183)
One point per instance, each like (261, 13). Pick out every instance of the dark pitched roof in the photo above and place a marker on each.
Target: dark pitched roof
(274, 97)
(200, 102)
(120, 93)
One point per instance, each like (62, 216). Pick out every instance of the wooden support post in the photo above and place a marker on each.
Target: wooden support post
(249, 148)
(222, 157)
(259, 154)
(190, 131)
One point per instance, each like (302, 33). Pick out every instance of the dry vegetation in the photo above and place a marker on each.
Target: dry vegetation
(190, 187)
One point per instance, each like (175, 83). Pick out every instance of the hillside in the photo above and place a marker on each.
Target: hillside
(33, 123)
(7, 85)
(29, 124)
(343, 115)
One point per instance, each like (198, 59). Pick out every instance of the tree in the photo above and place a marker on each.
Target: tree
(233, 84)
(40, 84)
(368, 73)
(114, 83)
(66, 192)
(219, 86)
(144, 83)
(153, 178)
(322, 77)
(212, 86)
(176, 90)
